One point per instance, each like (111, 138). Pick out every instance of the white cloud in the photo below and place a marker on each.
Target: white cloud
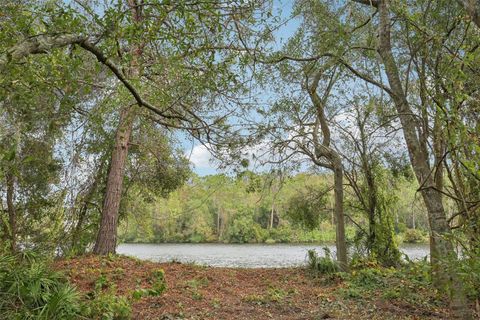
(200, 157)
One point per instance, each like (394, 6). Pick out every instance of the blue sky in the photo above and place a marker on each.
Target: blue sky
(199, 156)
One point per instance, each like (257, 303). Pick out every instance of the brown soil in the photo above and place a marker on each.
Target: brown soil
(196, 292)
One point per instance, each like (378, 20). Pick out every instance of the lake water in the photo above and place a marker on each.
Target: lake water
(240, 255)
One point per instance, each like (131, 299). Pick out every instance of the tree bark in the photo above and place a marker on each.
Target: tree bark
(323, 150)
(274, 199)
(440, 245)
(417, 150)
(272, 211)
(39, 45)
(339, 213)
(107, 234)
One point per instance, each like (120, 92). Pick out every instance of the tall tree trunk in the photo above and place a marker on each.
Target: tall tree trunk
(12, 214)
(440, 245)
(272, 211)
(371, 198)
(339, 213)
(107, 234)
(323, 150)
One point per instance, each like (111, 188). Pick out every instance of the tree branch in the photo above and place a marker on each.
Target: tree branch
(39, 44)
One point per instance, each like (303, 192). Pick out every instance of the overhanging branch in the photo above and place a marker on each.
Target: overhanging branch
(42, 44)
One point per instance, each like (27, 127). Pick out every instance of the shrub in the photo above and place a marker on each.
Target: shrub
(359, 262)
(104, 304)
(244, 230)
(322, 265)
(159, 285)
(413, 236)
(281, 234)
(30, 290)
(369, 278)
(469, 271)
(196, 238)
(108, 306)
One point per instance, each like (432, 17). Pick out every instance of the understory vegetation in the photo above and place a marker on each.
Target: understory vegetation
(30, 288)
(99, 288)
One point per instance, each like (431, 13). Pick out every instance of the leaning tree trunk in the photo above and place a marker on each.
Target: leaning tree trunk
(323, 150)
(107, 234)
(441, 247)
(339, 213)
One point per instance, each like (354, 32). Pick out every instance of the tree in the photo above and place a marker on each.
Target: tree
(35, 109)
(296, 129)
(416, 140)
(179, 53)
(366, 150)
(106, 241)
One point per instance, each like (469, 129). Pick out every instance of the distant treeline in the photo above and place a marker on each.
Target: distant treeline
(257, 208)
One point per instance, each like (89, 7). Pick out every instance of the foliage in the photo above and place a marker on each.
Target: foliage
(29, 289)
(215, 74)
(104, 303)
(322, 265)
(305, 208)
(469, 268)
(224, 209)
(413, 236)
(107, 306)
(243, 230)
(272, 294)
(410, 284)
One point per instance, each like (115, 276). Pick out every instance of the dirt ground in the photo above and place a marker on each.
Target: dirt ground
(196, 292)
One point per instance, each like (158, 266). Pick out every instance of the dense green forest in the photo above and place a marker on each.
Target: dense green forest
(349, 121)
(257, 208)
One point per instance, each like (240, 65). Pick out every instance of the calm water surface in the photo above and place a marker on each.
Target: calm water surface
(240, 255)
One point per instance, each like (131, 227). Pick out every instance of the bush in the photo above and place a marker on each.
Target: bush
(270, 241)
(108, 306)
(413, 236)
(104, 304)
(359, 262)
(245, 230)
(196, 238)
(281, 234)
(322, 265)
(369, 278)
(469, 271)
(30, 290)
